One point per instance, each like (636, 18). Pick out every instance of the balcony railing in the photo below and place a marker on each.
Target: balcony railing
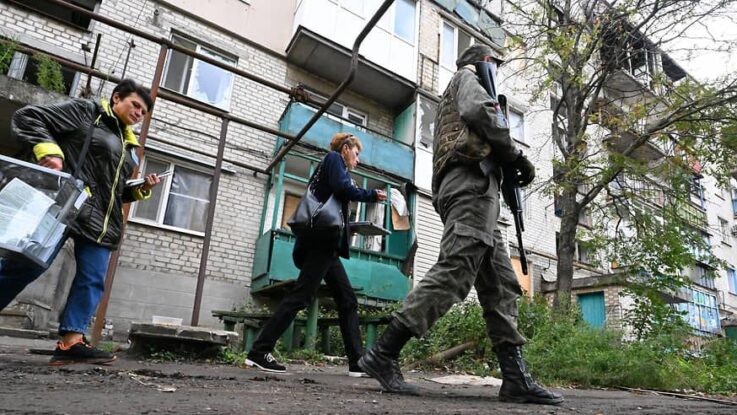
(380, 152)
(375, 276)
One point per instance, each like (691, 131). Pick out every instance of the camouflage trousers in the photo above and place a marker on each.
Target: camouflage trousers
(472, 254)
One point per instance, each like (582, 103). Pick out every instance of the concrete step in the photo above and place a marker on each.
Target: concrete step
(16, 319)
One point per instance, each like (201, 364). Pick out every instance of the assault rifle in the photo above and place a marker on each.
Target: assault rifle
(486, 72)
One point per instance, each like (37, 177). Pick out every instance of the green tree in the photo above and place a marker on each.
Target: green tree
(632, 132)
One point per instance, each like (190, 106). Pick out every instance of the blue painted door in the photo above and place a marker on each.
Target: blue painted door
(592, 308)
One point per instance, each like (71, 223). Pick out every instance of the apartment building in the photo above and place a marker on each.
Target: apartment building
(406, 61)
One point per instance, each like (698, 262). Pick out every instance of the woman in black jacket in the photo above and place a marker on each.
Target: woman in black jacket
(55, 135)
(318, 260)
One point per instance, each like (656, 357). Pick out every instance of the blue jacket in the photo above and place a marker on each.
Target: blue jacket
(334, 179)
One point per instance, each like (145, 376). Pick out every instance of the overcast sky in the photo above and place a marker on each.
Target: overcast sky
(697, 52)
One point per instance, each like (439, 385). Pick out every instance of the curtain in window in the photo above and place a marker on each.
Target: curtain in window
(189, 200)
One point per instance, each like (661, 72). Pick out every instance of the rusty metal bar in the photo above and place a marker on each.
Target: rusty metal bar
(92, 63)
(115, 256)
(162, 40)
(206, 154)
(208, 226)
(169, 96)
(348, 79)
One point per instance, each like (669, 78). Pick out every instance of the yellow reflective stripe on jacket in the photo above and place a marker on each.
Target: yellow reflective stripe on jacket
(113, 188)
(140, 194)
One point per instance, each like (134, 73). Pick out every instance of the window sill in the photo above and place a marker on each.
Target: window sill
(151, 224)
(729, 244)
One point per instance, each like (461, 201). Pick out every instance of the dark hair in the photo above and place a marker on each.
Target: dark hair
(129, 86)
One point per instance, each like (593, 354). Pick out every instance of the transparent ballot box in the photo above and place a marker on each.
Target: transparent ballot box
(36, 207)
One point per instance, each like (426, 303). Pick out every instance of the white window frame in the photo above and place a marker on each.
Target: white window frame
(522, 124)
(195, 64)
(415, 24)
(344, 113)
(164, 203)
(724, 229)
(449, 71)
(732, 280)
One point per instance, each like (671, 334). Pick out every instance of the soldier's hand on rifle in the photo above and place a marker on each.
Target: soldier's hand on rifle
(525, 170)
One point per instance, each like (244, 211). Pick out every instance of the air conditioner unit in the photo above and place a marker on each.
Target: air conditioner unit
(734, 230)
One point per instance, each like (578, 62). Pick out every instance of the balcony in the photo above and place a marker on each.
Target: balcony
(692, 214)
(651, 150)
(330, 60)
(382, 153)
(375, 276)
(378, 268)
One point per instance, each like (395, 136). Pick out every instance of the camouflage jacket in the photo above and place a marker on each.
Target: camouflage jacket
(469, 126)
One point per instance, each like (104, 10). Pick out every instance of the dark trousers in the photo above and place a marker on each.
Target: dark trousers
(317, 265)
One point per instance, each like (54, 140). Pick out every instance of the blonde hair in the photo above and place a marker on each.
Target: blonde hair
(340, 139)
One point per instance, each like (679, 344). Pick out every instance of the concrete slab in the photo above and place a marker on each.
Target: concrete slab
(170, 337)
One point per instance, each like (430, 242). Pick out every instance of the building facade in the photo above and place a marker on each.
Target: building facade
(406, 61)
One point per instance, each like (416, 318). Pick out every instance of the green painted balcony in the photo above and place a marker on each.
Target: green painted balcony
(380, 152)
(375, 276)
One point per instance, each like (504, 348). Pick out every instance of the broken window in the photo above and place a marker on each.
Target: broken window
(197, 79)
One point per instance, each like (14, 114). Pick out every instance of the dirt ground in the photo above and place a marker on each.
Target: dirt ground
(29, 385)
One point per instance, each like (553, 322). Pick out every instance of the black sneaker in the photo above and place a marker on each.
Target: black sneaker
(265, 362)
(80, 352)
(355, 371)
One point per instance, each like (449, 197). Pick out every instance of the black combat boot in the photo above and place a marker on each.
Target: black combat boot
(381, 362)
(517, 384)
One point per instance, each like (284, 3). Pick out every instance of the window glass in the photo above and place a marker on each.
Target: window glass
(188, 199)
(210, 83)
(150, 207)
(516, 125)
(180, 66)
(464, 41)
(732, 279)
(404, 20)
(181, 200)
(447, 51)
(199, 80)
(428, 109)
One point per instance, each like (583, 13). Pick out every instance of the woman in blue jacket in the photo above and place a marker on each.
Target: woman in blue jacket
(322, 260)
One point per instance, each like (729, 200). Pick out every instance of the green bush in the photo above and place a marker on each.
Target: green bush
(563, 350)
(49, 74)
(7, 50)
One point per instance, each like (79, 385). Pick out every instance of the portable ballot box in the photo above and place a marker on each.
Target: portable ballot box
(36, 207)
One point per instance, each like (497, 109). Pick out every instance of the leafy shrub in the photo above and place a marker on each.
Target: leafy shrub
(7, 50)
(49, 74)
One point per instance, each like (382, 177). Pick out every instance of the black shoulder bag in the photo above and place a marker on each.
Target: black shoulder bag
(314, 219)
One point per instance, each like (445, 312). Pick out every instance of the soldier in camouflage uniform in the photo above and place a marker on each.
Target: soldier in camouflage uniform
(470, 127)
